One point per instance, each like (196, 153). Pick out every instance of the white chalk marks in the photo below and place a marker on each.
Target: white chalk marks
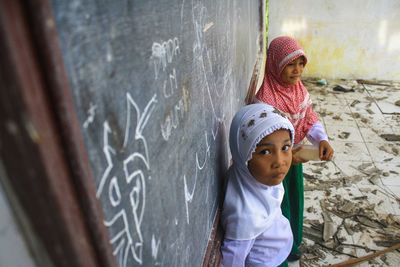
(125, 182)
(154, 247)
(126, 220)
(172, 119)
(215, 88)
(200, 164)
(163, 54)
(163, 58)
(91, 112)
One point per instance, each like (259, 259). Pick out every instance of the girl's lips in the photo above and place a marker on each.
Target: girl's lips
(280, 175)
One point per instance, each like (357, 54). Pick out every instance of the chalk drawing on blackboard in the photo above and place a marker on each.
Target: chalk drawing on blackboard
(91, 113)
(198, 67)
(202, 63)
(154, 247)
(199, 166)
(172, 119)
(114, 192)
(173, 83)
(162, 57)
(208, 26)
(129, 238)
(163, 54)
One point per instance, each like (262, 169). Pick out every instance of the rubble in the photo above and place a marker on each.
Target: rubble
(329, 227)
(341, 88)
(352, 203)
(390, 137)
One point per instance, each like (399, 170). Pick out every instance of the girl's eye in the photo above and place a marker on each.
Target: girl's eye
(286, 147)
(265, 152)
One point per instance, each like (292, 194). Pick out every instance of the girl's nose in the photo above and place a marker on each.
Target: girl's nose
(278, 160)
(296, 68)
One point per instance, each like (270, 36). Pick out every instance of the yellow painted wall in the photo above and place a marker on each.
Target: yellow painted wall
(342, 39)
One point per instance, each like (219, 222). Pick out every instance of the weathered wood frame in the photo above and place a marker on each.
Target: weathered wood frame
(41, 145)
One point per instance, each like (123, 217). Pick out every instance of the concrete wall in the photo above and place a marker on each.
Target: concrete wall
(343, 39)
(13, 249)
(19, 245)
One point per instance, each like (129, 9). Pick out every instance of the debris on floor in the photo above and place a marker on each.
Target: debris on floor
(341, 88)
(352, 203)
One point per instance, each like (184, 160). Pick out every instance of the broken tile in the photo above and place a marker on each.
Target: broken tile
(384, 152)
(370, 134)
(360, 188)
(350, 151)
(340, 118)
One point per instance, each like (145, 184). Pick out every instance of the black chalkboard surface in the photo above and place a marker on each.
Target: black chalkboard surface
(155, 86)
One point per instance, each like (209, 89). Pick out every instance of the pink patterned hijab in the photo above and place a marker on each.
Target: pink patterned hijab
(293, 100)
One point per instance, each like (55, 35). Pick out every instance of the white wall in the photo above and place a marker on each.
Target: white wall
(19, 245)
(342, 38)
(13, 249)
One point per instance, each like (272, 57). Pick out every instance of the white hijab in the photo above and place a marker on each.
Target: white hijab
(250, 206)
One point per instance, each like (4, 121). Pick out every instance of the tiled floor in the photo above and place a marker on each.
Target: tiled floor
(357, 195)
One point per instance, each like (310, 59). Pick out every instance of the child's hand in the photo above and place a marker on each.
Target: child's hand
(296, 159)
(325, 150)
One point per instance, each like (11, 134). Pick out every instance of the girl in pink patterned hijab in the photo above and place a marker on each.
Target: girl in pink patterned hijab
(283, 89)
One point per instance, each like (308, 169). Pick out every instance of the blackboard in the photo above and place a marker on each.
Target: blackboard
(155, 85)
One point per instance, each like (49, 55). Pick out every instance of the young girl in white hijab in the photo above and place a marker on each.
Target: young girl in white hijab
(256, 232)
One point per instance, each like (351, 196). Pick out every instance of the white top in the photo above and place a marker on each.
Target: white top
(317, 133)
(270, 248)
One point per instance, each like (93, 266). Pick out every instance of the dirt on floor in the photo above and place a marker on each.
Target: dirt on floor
(352, 203)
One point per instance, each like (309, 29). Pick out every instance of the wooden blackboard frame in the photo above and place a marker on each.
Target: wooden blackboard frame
(41, 147)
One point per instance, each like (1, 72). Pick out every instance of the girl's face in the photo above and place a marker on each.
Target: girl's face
(271, 161)
(291, 74)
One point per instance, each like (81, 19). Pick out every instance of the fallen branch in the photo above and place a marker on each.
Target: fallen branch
(369, 82)
(351, 262)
